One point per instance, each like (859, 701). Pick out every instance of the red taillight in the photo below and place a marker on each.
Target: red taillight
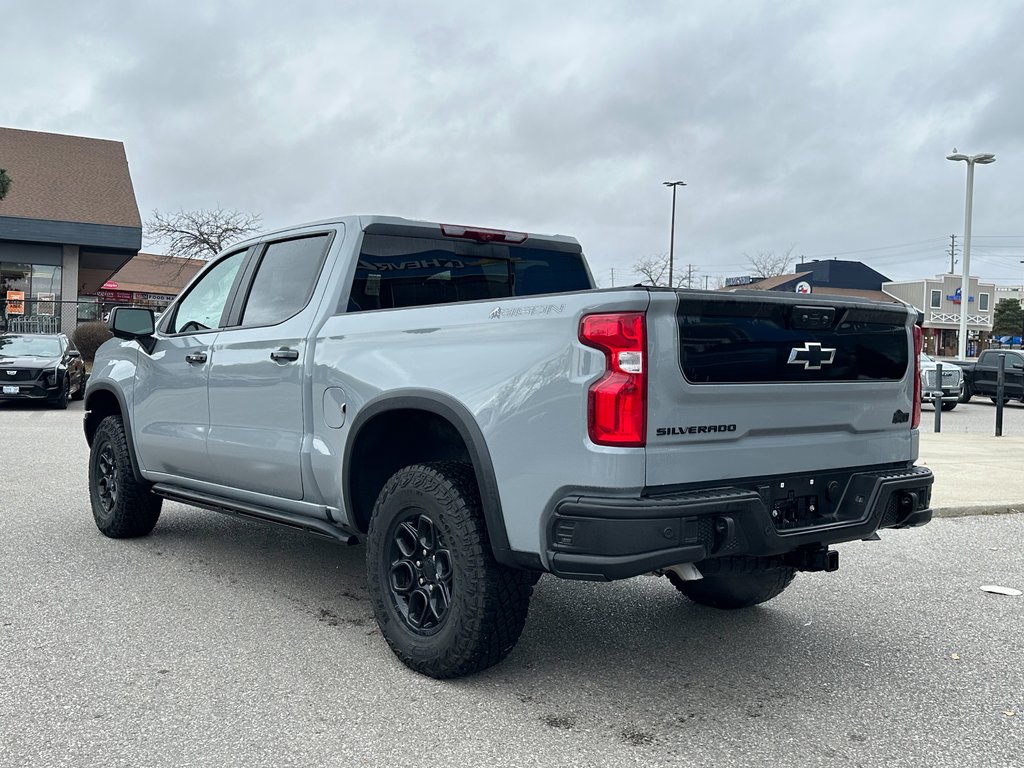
(916, 421)
(482, 235)
(617, 404)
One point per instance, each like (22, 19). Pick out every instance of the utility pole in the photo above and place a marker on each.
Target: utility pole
(689, 275)
(952, 253)
(613, 277)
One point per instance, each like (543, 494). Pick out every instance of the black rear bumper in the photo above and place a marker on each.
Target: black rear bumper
(612, 538)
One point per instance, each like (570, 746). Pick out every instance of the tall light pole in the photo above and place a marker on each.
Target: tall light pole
(965, 281)
(672, 228)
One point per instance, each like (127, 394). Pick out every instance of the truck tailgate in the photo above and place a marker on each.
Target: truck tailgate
(767, 385)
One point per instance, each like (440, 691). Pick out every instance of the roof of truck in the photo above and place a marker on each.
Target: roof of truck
(420, 228)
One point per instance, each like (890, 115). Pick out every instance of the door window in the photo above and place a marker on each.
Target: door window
(284, 280)
(202, 307)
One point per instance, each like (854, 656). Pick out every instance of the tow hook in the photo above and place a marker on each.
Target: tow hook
(819, 559)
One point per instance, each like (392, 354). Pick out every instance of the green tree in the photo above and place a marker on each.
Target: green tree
(5, 183)
(1006, 319)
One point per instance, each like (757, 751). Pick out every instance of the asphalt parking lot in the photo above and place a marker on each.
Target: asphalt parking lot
(216, 642)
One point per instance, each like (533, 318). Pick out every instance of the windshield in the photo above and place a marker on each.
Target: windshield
(29, 346)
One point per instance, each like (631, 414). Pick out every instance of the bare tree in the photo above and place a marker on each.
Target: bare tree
(5, 183)
(768, 263)
(654, 270)
(200, 234)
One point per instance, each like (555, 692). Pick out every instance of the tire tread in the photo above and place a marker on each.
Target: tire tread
(496, 598)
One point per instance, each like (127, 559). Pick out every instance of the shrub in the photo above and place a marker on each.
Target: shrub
(89, 336)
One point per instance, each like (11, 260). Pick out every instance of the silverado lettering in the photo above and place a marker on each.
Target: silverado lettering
(700, 430)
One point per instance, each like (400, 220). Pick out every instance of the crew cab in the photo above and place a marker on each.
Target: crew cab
(466, 403)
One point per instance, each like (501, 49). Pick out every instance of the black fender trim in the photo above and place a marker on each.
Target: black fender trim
(460, 417)
(126, 420)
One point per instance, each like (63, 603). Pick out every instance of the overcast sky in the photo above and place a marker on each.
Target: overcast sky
(821, 126)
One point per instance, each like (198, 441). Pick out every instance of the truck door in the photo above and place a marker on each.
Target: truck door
(259, 402)
(171, 413)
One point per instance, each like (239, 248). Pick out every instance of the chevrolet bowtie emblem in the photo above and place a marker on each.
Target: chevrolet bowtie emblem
(811, 355)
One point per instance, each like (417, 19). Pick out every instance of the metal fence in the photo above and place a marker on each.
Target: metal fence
(47, 316)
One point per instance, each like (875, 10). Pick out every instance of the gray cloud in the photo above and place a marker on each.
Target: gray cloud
(821, 126)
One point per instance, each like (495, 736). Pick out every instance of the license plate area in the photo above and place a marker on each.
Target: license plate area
(11, 390)
(800, 502)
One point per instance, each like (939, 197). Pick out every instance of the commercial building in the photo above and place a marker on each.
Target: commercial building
(68, 222)
(148, 280)
(939, 299)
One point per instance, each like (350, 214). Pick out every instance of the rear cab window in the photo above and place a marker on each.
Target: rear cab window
(395, 271)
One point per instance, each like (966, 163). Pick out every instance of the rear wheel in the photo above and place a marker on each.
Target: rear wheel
(949, 406)
(444, 605)
(122, 506)
(735, 582)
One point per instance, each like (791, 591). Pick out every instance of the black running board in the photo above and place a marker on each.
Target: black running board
(254, 512)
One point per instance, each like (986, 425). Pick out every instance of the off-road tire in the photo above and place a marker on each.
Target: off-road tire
(122, 506)
(60, 402)
(950, 406)
(735, 582)
(488, 602)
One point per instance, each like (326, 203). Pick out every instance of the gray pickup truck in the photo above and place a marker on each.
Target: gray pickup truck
(468, 405)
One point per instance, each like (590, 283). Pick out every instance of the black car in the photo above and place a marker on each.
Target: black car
(36, 366)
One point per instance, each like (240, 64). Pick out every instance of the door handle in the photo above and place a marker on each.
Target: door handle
(196, 357)
(284, 355)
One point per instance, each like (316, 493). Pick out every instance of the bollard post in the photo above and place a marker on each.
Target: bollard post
(937, 399)
(1000, 387)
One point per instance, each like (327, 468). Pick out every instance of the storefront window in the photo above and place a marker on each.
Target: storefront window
(29, 297)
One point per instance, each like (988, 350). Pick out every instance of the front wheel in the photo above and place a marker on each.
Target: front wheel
(735, 582)
(60, 401)
(122, 506)
(949, 406)
(443, 603)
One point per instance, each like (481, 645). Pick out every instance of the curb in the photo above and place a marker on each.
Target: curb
(981, 509)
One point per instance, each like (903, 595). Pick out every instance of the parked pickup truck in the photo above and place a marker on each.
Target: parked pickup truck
(949, 391)
(980, 377)
(464, 402)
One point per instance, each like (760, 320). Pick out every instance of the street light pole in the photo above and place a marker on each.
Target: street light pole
(965, 281)
(672, 227)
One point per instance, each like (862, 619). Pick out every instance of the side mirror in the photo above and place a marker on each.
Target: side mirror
(131, 322)
(74, 353)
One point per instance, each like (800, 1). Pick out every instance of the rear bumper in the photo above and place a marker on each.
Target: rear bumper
(598, 538)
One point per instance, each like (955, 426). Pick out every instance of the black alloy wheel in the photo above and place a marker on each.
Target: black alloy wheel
(442, 602)
(122, 504)
(106, 478)
(421, 573)
(60, 402)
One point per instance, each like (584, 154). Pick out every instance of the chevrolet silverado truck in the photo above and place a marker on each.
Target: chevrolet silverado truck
(465, 402)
